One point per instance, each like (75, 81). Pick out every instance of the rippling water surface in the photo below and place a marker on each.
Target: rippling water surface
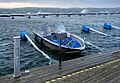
(31, 58)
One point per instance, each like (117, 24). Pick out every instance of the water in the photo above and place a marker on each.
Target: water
(31, 58)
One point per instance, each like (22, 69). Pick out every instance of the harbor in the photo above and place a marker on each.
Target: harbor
(94, 35)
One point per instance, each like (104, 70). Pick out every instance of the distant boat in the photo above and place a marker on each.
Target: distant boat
(69, 43)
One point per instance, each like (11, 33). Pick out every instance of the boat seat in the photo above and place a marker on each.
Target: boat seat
(76, 44)
(73, 43)
(57, 42)
(68, 39)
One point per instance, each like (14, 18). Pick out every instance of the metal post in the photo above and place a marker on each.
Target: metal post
(60, 54)
(16, 56)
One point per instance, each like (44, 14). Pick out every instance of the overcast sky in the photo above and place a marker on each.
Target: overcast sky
(59, 3)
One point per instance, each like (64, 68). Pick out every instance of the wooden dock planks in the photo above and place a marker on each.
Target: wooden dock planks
(88, 65)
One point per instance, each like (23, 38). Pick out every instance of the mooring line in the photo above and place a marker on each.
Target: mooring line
(38, 48)
(93, 45)
(115, 27)
(99, 32)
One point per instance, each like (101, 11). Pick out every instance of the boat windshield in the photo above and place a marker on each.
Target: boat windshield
(60, 28)
(46, 30)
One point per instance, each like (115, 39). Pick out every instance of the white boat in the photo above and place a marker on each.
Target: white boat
(70, 43)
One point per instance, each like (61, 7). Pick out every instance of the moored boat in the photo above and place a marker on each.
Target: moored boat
(70, 43)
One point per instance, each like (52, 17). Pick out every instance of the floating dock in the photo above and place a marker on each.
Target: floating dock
(99, 68)
(57, 14)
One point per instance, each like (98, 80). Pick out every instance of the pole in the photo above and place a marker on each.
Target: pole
(16, 56)
(60, 56)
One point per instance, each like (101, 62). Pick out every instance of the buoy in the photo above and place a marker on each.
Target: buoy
(107, 26)
(80, 14)
(85, 29)
(69, 15)
(43, 16)
(12, 17)
(57, 15)
(29, 17)
(23, 37)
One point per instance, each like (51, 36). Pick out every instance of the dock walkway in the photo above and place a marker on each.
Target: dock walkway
(58, 14)
(100, 68)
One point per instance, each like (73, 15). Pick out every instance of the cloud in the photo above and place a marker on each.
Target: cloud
(64, 3)
(17, 5)
(61, 1)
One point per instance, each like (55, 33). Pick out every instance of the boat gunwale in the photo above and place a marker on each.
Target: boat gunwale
(47, 40)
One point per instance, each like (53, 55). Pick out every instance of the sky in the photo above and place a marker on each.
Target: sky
(59, 3)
